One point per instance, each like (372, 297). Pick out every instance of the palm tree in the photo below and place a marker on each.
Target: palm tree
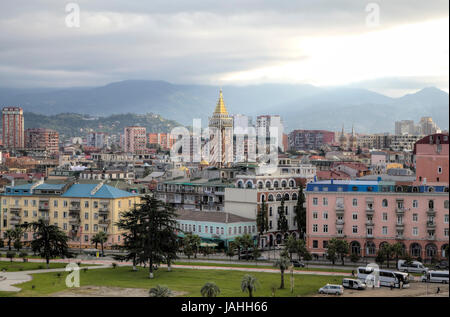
(160, 291)
(283, 264)
(101, 238)
(210, 289)
(238, 243)
(250, 284)
(49, 241)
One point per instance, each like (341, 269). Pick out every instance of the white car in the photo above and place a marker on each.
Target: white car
(412, 267)
(332, 289)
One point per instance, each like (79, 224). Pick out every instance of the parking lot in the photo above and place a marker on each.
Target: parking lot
(416, 289)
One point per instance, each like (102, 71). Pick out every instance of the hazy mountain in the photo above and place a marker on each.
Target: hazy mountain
(301, 106)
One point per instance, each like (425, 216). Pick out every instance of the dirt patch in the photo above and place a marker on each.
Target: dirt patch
(416, 289)
(105, 291)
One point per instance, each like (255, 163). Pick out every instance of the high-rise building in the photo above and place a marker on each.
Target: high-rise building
(134, 139)
(47, 139)
(13, 127)
(405, 127)
(97, 139)
(427, 126)
(263, 128)
(165, 140)
(220, 135)
(244, 139)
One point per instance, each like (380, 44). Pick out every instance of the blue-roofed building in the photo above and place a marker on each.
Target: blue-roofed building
(81, 210)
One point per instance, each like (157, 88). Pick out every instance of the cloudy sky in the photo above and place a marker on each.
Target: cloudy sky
(401, 49)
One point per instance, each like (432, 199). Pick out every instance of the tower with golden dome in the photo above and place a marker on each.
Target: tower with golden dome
(220, 135)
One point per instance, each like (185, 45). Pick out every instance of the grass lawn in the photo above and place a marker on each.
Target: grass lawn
(26, 266)
(253, 265)
(182, 280)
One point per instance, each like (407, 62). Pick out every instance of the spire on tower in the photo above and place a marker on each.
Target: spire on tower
(220, 108)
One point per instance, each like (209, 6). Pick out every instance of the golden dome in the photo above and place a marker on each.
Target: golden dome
(220, 108)
(203, 162)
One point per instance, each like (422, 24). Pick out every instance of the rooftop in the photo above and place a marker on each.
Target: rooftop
(211, 216)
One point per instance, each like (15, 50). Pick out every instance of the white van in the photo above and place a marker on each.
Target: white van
(386, 278)
(435, 277)
(353, 284)
(331, 289)
(412, 267)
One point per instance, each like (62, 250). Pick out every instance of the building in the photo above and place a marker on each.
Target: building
(47, 139)
(162, 139)
(304, 140)
(80, 210)
(369, 213)
(97, 139)
(220, 228)
(244, 139)
(13, 128)
(220, 136)
(431, 159)
(427, 126)
(264, 125)
(405, 127)
(134, 139)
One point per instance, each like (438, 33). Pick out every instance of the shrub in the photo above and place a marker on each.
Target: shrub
(23, 255)
(114, 265)
(40, 267)
(10, 255)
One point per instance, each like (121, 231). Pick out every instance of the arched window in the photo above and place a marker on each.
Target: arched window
(260, 185)
(268, 184)
(431, 204)
(415, 250)
(286, 196)
(275, 184)
(249, 184)
(294, 196)
(270, 198)
(284, 184)
(355, 247)
(370, 248)
(240, 184)
(431, 250)
(278, 197)
(291, 183)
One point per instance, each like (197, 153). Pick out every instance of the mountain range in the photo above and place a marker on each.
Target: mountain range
(300, 106)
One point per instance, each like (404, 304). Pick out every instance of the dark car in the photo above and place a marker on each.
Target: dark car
(297, 263)
(443, 265)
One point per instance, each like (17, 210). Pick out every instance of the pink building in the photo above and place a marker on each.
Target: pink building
(369, 213)
(431, 154)
(134, 139)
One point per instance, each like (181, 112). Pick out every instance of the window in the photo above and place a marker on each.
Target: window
(315, 201)
(193, 228)
(315, 215)
(385, 230)
(355, 202)
(86, 227)
(65, 226)
(340, 231)
(415, 217)
(55, 203)
(221, 231)
(355, 216)
(325, 228)
(270, 224)
(315, 244)
(415, 204)
(25, 202)
(86, 204)
(95, 215)
(384, 203)
(325, 215)
(270, 211)
(315, 228)
(446, 204)
(385, 216)
(25, 213)
(55, 214)
(240, 229)
(95, 204)
(65, 203)
(355, 229)
(446, 232)
(325, 244)
(234, 229)
(211, 229)
(446, 218)
(325, 201)
(415, 231)
(86, 238)
(34, 213)
(439, 170)
(65, 214)
(86, 215)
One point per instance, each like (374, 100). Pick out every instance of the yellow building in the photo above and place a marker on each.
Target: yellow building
(80, 210)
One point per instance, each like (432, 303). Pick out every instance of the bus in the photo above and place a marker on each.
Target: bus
(386, 277)
(435, 277)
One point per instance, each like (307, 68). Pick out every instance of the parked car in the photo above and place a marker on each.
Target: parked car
(297, 263)
(332, 289)
(412, 267)
(353, 284)
(443, 265)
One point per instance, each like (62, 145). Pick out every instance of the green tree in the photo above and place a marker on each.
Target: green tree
(49, 241)
(247, 243)
(249, 284)
(300, 213)
(101, 238)
(192, 242)
(169, 248)
(283, 264)
(18, 233)
(238, 244)
(129, 222)
(291, 246)
(210, 289)
(10, 236)
(262, 221)
(337, 248)
(160, 291)
(282, 223)
(387, 252)
(397, 252)
(230, 250)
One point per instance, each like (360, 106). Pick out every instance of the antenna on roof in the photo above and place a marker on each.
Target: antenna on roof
(96, 188)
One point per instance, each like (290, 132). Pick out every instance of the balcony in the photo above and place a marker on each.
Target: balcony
(340, 222)
(370, 211)
(369, 235)
(399, 236)
(400, 225)
(431, 212)
(15, 219)
(431, 224)
(74, 221)
(44, 205)
(339, 208)
(400, 211)
(369, 223)
(340, 235)
(45, 218)
(15, 210)
(75, 205)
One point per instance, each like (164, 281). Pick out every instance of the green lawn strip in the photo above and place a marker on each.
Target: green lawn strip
(182, 280)
(262, 266)
(28, 266)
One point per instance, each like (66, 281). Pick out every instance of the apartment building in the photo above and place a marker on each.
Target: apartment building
(369, 213)
(134, 139)
(47, 139)
(13, 128)
(80, 210)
